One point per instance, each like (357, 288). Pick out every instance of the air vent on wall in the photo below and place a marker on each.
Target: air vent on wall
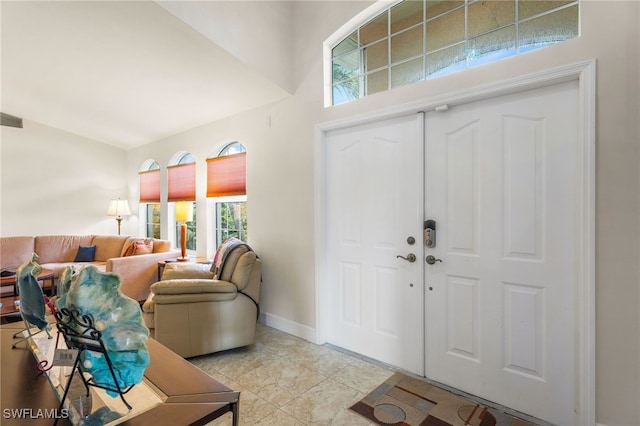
(10, 120)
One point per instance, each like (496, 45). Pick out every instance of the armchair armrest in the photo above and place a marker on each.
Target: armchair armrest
(193, 286)
(191, 291)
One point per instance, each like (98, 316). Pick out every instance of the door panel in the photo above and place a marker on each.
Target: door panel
(374, 203)
(500, 181)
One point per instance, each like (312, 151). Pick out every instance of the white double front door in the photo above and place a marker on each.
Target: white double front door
(494, 314)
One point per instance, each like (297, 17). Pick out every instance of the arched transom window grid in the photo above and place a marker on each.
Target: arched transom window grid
(184, 158)
(231, 148)
(421, 39)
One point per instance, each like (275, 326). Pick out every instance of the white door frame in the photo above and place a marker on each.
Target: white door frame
(585, 73)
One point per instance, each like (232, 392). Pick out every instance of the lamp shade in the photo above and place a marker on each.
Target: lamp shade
(118, 208)
(184, 211)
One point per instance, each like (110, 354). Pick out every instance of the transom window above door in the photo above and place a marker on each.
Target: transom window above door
(416, 40)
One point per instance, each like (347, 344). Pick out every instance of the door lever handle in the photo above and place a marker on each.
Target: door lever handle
(432, 259)
(410, 257)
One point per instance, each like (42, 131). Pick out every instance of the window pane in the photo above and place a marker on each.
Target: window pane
(407, 73)
(346, 66)
(548, 29)
(231, 221)
(346, 91)
(447, 60)
(438, 7)
(528, 8)
(376, 55)
(377, 81)
(445, 30)
(153, 220)
(407, 44)
(405, 15)
(374, 30)
(492, 46)
(490, 15)
(348, 44)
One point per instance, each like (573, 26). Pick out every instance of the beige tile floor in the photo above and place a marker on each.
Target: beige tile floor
(285, 380)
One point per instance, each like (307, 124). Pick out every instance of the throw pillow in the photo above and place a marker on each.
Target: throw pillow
(139, 247)
(85, 254)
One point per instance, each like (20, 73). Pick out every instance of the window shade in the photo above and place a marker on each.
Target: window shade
(182, 182)
(150, 186)
(227, 175)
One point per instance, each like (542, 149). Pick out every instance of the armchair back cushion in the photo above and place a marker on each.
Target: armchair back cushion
(230, 261)
(246, 274)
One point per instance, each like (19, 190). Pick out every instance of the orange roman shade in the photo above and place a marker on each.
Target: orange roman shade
(182, 182)
(150, 186)
(227, 175)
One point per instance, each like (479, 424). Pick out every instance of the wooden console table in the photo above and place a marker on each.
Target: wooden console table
(193, 397)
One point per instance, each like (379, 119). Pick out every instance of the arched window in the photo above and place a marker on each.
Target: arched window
(226, 185)
(181, 184)
(150, 196)
(420, 39)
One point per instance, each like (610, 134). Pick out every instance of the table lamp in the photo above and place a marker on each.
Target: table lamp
(184, 214)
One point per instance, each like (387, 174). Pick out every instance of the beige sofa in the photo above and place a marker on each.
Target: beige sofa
(193, 314)
(138, 271)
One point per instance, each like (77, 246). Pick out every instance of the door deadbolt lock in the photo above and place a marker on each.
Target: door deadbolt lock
(410, 257)
(432, 259)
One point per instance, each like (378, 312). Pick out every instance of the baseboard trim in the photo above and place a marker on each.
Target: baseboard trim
(299, 330)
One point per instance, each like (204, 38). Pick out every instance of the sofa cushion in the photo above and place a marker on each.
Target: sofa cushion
(108, 246)
(85, 254)
(161, 246)
(60, 248)
(136, 246)
(14, 251)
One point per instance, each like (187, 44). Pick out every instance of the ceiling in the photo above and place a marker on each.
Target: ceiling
(123, 73)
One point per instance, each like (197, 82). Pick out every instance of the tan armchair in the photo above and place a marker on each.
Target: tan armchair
(193, 314)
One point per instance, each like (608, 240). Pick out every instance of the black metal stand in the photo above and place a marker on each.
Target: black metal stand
(80, 333)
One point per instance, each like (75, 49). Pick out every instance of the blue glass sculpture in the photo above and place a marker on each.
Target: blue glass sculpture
(117, 317)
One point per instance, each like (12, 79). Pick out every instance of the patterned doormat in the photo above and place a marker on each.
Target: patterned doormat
(402, 400)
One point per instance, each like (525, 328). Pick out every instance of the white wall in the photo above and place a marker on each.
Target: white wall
(281, 161)
(55, 182)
